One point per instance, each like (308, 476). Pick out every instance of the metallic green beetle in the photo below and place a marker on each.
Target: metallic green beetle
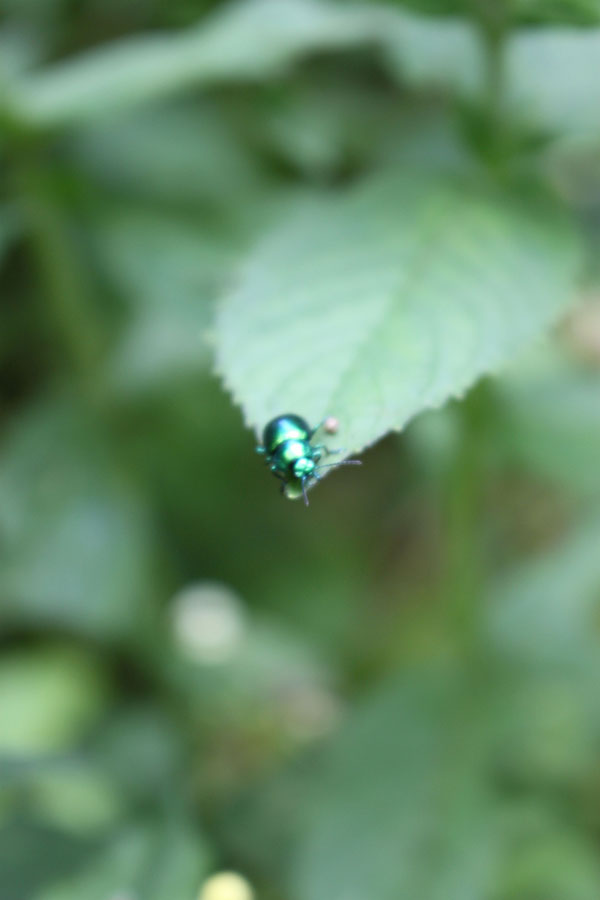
(291, 456)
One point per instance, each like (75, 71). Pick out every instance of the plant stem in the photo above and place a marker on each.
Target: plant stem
(494, 93)
(463, 576)
(491, 16)
(73, 319)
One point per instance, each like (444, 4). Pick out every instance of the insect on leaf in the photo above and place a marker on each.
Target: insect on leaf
(376, 304)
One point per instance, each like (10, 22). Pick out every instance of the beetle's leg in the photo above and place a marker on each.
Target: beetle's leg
(320, 450)
(314, 430)
(304, 491)
(323, 449)
(344, 462)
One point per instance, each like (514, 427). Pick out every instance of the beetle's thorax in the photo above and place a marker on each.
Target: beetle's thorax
(293, 456)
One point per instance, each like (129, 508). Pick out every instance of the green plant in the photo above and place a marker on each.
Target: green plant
(376, 211)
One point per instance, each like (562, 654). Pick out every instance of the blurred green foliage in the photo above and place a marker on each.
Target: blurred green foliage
(393, 694)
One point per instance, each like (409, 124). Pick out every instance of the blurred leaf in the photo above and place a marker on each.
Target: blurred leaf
(19, 52)
(548, 857)
(75, 797)
(580, 12)
(33, 10)
(161, 863)
(168, 271)
(446, 54)
(141, 751)
(423, 134)
(541, 622)
(265, 680)
(261, 827)
(552, 74)
(546, 610)
(574, 11)
(557, 867)
(242, 41)
(31, 857)
(49, 698)
(573, 166)
(552, 419)
(181, 864)
(260, 38)
(434, 439)
(247, 41)
(175, 154)
(553, 78)
(548, 724)
(75, 537)
(323, 122)
(402, 808)
(377, 304)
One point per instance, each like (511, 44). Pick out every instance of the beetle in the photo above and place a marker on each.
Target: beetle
(292, 457)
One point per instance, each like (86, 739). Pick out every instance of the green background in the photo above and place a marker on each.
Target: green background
(392, 694)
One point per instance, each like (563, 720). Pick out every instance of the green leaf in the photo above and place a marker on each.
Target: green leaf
(165, 863)
(76, 540)
(49, 698)
(540, 622)
(74, 797)
(259, 39)
(441, 53)
(250, 40)
(401, 809)
(580, 12)
(169, 272)
(547, 721)
(32, 857)
(321, 122)
(552, 861)
(19, 51)
(572, 166)
(545, 610)
(577, 12)
(245, 40)
(551, 422)
(552, 74)
(553, 78)
(423, 134)
(376, 304)
(179, 154)
(141, 752)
